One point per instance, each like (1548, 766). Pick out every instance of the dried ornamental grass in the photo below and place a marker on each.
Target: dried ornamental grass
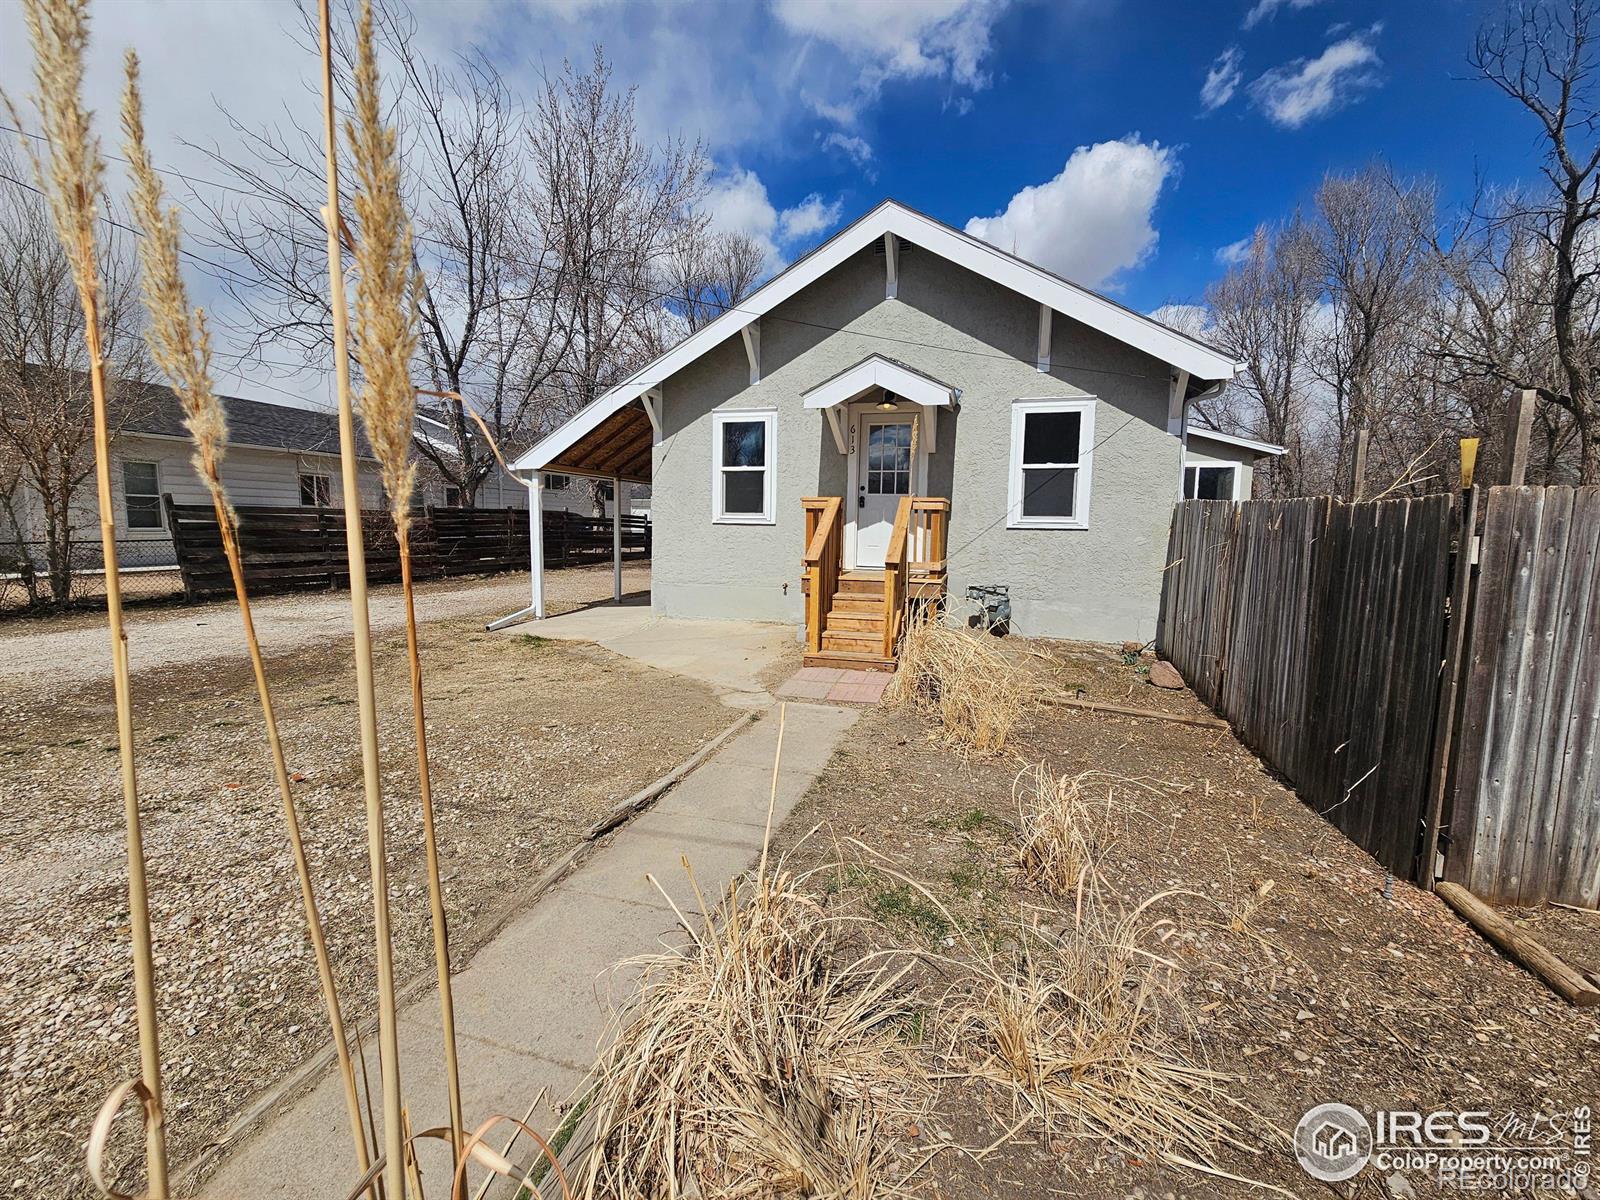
(72, 181)
(1063, 833)
(967, 682)
(758, 1060)
(182, 348)
(1080, 1031)
(386, 328)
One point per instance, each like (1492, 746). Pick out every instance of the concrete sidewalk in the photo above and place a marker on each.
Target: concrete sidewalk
(531, 1005)
(728, 655)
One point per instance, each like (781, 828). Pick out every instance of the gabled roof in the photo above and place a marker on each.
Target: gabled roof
(1262, 449)
(877, 370)
(1185, 353)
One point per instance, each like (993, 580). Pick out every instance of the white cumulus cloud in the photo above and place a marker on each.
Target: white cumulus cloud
(857, 149)
(738, 203)
(1307, 88)
(1235, 252)
(1092, 220)
(1266, 8)
(1223, 79)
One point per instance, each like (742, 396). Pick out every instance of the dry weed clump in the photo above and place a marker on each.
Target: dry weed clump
(1063, 831)
(1080, 1030)
(759, 1060)
(968, 682)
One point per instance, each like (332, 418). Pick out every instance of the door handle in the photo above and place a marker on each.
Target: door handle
(861, 501)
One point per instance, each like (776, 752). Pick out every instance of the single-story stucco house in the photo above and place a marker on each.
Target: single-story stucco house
(908, 411)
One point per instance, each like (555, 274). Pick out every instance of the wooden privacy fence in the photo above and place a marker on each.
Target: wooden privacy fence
(1412, 698)
(290, 548)
(1525, 814)
(1315, 628)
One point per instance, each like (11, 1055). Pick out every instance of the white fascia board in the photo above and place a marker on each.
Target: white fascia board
(1039, 285)
(1264, 449)
(878, 372)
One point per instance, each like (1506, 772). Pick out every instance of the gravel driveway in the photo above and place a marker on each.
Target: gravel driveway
(72, 648)
(531, 740)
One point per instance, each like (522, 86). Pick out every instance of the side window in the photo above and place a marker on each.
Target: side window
(316, 491)
(1208, 483)
(743, 463)
(557, 483)
(141, 495)
(1051, 453)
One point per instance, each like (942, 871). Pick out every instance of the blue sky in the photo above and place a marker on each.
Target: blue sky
(1088, 123)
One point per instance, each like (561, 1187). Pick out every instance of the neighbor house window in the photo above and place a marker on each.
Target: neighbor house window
(743, 462)
(316, 491)
(557, 483)
(1209, 483)
(452, 497)
(141, 495)
(1051, 453)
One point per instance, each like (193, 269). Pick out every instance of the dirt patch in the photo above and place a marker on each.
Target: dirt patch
(1295, 975)
(67, 648)
(531, 740)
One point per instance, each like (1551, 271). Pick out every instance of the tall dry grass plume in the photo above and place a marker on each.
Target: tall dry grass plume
(1063, 830)
(967, 682)
(181, 347)
(386, 321)
(71, 176)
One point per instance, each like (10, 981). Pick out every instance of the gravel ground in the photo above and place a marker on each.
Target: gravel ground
(530, 741)
(71, 648)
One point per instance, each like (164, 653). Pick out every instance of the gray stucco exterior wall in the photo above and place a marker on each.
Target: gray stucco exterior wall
(1101, 583)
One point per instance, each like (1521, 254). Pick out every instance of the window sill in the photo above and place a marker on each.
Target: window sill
(1045, 523)
(744, 520)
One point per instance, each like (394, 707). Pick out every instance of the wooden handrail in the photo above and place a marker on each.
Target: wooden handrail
(822, 561)
(930, 523)
(896, 571)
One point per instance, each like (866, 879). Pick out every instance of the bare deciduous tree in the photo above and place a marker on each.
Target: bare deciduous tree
(46, 434)
(713, 274)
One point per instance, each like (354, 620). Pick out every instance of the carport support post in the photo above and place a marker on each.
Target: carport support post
(616, 539)
(536, 543)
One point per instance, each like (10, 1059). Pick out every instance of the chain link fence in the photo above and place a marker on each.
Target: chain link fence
(148, 568)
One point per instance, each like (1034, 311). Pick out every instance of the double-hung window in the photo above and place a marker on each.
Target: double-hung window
(316, 490)
(1209, 483)
(743, 464)
(141, 495)
(1051, 455)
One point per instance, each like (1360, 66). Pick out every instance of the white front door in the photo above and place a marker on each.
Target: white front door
(881, 466)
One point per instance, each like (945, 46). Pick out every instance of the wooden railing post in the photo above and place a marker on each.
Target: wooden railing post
(821, 561)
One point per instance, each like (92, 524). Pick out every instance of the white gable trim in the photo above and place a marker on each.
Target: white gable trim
(878, 371)
(904, 224)
(1262, 449)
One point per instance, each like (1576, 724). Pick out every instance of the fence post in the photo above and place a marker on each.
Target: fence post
(176, 531)
(1518, 433)
(1358, 465)
(1456, 647)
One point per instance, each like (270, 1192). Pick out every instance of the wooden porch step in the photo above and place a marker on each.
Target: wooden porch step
(849, 660)
(858, 603)
(854, 641)
(853, 619)
(855, 584)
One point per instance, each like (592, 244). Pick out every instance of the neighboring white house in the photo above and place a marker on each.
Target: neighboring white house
(278, 455)
(908, 410)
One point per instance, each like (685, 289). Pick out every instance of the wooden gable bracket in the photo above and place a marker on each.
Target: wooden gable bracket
(836, 423)
(752, 349)
(1044, 338)
(891, 266)
(1175, 401)
(652, 409)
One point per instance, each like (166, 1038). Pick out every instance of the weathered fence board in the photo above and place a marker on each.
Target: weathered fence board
(1317, 629)
(1524, 815)
(289, 548)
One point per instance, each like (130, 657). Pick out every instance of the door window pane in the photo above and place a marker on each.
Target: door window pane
(889, 459)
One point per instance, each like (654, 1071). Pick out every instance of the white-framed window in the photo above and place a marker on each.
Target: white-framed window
(316, 490)
(743, 466)
(141, 495)
(452, 497)
(1204, 481)
(1052, 456)
(557, 483)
